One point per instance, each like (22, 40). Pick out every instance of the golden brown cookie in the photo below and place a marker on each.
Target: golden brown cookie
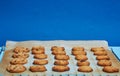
(15, 61)
(62, 57)
(40, 62)
(40, 56)
(104, 57)
(81, 57)
(94, 49)
(79, 53)
(38, 48)
(110, 69)
(83, 63)
(57, 48)
(85, 69)
(61, 62)
(15, 68)
(58, 52)
(20, 55)
(21, 49)
(59, 68)
(38, 68)
(77, 48)
(100, 53)
(104, 63)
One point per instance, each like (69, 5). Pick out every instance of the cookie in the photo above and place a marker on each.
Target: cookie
(110, 69)
(38, 68)
(100, 53)
(58, 52)
(81, 57)
(21, 49)
(104, 63)
(103, 57)
(15, 61)
(79, 53)
(40, 56)
(77, 48)
(20, 55)
(59, 68)
(40, 62)
(61, 62)
(15, 68)
(85, 69)
(38, 48)
(57, 48)
(62, 57)
(83, 63)
(94, 49)
(38, 52)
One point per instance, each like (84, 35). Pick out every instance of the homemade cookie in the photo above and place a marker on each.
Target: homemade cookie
(104, 57)
(59, 68)
(110, 69)
(40, 62)
(104, 63)
(40, 56)
(100, 53)
(81, 57)
(94, 49)
(61, 62)
(62, 57)
(57, 48)
(38, 48)
(83, 63)
(58, 52)
(20, 55)
(15, 68)
(85, 69)
(38, 68)
(21, 49)
(18, 61)
(79, 53)
(77, 48)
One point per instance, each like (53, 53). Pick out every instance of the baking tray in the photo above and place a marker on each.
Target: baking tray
(97, 70)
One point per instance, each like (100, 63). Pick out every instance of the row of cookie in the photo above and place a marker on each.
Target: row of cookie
(82, 60)
(61, 59)
(40, 59)
(19, 58)
(104, 60)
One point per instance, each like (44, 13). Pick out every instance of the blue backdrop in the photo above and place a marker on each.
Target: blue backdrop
(60, 20)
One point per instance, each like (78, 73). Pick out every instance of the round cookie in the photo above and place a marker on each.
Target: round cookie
(79, 53)
(94, 49)
(62, 57)
(61, 62)
(81, 57)
(58, 52)
(59, 68)
(38, 68)
(38, 52)
(100, 53)
(77, 48)
(15, 61)
(21, 49)
(40, 56)
(20, 55)
(85, 69)
(40, 62)
(104, 63)
(104, 57)
(38, 48)
(83, 63)
(15, 68)
(57, 48)
(110, 69)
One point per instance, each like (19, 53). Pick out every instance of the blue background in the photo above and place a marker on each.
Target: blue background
(60, 20)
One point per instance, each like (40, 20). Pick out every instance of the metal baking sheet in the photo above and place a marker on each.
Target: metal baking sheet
(97, 70)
